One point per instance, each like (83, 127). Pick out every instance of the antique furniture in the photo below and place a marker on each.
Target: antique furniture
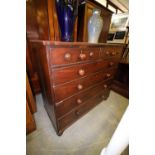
(41, 23)
(121, 81)
(74, 77)
(85, 11)
(30, 108)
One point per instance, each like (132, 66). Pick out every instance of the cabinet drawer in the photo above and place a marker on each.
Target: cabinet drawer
(67, 74)
(111, 52)
(69, 104)
(68, 89)
(63, 56)
(80, 111)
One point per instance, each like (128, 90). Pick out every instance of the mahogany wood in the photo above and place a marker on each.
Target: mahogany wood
(68, 94)
(65, 90)
(70, 103)
(41, 23)
(62, 75)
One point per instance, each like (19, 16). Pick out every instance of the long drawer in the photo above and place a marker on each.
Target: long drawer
(80, 111)
(68, 89)
(63, 56)
(62, 75)
(69, 104)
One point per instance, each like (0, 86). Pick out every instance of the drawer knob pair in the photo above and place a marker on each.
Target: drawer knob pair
(113, 53)
(79, 101)
(67, 56)
(80, 86)
(81, 72)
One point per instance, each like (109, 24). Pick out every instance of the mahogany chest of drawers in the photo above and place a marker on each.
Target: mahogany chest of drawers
(74, 77)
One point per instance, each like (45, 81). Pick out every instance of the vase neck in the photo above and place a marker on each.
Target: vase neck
(96, 12)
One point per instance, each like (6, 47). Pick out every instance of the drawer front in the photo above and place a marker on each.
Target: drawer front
(67, 74)
(80, 111)
(111, 52)
(63, 91)
(69, 104)
(63, 56)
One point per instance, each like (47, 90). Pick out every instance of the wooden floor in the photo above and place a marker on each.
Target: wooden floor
(88, 136)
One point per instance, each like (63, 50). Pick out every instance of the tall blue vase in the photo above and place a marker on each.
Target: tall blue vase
(66, 18)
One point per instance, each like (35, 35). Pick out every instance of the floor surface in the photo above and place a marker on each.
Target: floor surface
(87, 136)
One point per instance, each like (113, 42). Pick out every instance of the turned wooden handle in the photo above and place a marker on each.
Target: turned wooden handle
(67, 56)
(77, 113)
(103, 96)
(108, 75)
(81, 72)
(105, 86)
(91, 54)
(80, 86)
(82, 56)
(113, 53)
(79, 101)
(107, 53)
(111, 63)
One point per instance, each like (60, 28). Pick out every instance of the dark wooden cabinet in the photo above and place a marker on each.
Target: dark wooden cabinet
(85, 11)
(74, 77)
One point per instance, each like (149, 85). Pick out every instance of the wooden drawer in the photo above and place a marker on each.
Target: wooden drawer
(64, 56)
(62, 75)
(68, 89)
(74, 115)
(69, 104)
(111, 52)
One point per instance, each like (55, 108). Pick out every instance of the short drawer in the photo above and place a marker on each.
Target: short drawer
(80, 111)
(62, 75)
(64, 56)
(68, 89)
(111, 52)
(69, 104)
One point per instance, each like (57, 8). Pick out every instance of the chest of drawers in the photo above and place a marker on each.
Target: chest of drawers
(74, 77)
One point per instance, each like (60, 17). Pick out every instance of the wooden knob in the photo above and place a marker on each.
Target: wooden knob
(77, 113)
(79, 101)
(108, 75)
(105, 86)
(67, 56)
(111, 63)
(82, 56)
(80, 86)
(91, 54)
(103, 96)
(107, 53)
(81, 72)
(113, 53)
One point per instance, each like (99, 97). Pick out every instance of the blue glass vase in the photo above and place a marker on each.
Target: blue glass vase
(67, 13)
